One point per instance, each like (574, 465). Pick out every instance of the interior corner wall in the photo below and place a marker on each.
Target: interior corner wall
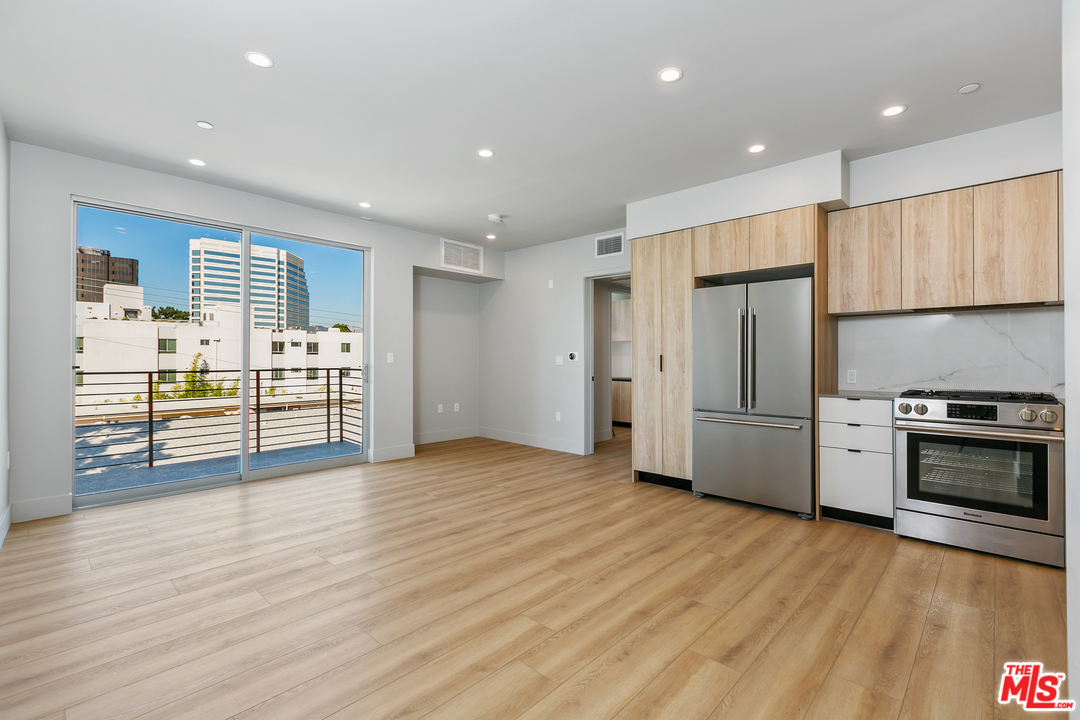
(524, 325)
(43, 183)
(446, 359)
(5, 172)
(1070, 102)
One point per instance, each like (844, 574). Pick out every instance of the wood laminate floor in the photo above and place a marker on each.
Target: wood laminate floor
(484, 580)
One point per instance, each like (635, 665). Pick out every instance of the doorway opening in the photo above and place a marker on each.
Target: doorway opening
(611, 397)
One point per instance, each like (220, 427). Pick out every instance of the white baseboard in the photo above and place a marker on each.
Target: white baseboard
(5, 524)
(391, 453)
(540, 441)
(38, 508)
(444, 435)
(603, 435)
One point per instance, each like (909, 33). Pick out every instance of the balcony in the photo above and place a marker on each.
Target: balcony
(136, 429)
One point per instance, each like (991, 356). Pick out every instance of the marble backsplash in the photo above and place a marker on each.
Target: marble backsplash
(1022, 349)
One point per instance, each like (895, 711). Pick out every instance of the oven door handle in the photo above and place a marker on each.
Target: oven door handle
(992, 434)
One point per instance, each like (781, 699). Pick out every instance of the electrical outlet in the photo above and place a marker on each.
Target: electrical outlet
(851, 377)
(440, 408)
(390, 357)
(457, 407)
(558, 359)
(551, 284)
(558, 417)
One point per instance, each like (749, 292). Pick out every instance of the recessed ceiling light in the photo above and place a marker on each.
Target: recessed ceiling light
(894, 110)
(485, 153)
(259, 60)
(196, 162)
(969, 88)
(490, 237)
(670, 75)
(755, 148)
(205, 125)
(365, 204)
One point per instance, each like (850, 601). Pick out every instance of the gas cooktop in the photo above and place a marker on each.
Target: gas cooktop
(984, 396)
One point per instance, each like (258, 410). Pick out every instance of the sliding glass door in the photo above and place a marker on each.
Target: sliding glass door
(181, 325)
(307, 349)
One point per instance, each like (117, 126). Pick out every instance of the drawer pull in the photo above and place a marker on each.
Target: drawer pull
(855, 399)
(854, 424)
(850, 450)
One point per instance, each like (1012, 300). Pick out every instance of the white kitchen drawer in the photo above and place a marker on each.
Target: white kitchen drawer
(874, 438)
(863, 412)
(857, 481)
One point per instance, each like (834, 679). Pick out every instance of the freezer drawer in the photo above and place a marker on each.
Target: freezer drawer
(760, 459)
(856, 437)
(857, 481)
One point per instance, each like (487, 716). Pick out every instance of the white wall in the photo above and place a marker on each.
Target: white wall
(1070, 97)
(446, 365)
(821, 179)
(523, 326)
(5, 495)
(42, 185)
(1023, 148)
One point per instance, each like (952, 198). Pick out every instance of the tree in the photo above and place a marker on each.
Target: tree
(342, 327)
(169, 313)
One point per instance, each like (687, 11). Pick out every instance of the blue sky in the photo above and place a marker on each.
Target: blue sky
(334, 276)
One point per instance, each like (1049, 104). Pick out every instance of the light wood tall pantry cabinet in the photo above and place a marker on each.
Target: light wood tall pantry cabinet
(662, 352)
(993, 244)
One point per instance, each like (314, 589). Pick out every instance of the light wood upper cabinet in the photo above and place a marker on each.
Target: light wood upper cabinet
(937, 249)
(620, 320)
(678, 292)
(782, 238)
(662, 300)
(646, 256)
(864, 259)
(1016, 241)
(722, 247)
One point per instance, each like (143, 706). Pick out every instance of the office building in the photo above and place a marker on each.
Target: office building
(279, 291)
(94, 267)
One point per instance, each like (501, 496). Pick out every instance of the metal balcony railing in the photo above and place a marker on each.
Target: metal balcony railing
(142, 419)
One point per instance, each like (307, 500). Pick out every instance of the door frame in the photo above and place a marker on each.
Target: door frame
(589, 281)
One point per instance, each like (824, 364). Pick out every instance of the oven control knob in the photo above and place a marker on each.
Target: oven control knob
(905, 408)
(1028, 415)
(920, 409)
(1048, 416)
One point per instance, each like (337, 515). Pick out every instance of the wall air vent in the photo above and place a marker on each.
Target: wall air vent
(462, 257)
(609, 245)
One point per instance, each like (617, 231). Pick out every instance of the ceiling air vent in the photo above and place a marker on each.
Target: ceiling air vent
(609, 245)
(459, 256)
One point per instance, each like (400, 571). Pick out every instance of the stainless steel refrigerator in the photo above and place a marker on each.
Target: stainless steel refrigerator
(753, 393)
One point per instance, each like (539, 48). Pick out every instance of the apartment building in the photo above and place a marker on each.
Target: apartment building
(95, 267)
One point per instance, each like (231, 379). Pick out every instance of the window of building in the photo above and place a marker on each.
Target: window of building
(166, 346)
(78, 344)
(167, 376)
(313, 348)
(277, 347)
(78, 379)
(277, 375)
(195, 275)
(346, 347)
(313, 373)
(344, 372)
(294, 343)
(204, 342)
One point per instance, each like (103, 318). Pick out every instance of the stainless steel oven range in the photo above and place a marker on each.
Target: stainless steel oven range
(982, 470)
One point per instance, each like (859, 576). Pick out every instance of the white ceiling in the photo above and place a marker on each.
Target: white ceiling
(389, 101)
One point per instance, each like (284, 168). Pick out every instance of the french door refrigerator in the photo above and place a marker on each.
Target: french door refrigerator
(753, 393)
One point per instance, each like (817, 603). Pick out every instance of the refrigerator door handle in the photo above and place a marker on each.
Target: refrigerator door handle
(751, 358)
(740, 386)
(782, 426)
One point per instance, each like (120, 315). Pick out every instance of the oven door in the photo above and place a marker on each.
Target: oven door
(1012, 478)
